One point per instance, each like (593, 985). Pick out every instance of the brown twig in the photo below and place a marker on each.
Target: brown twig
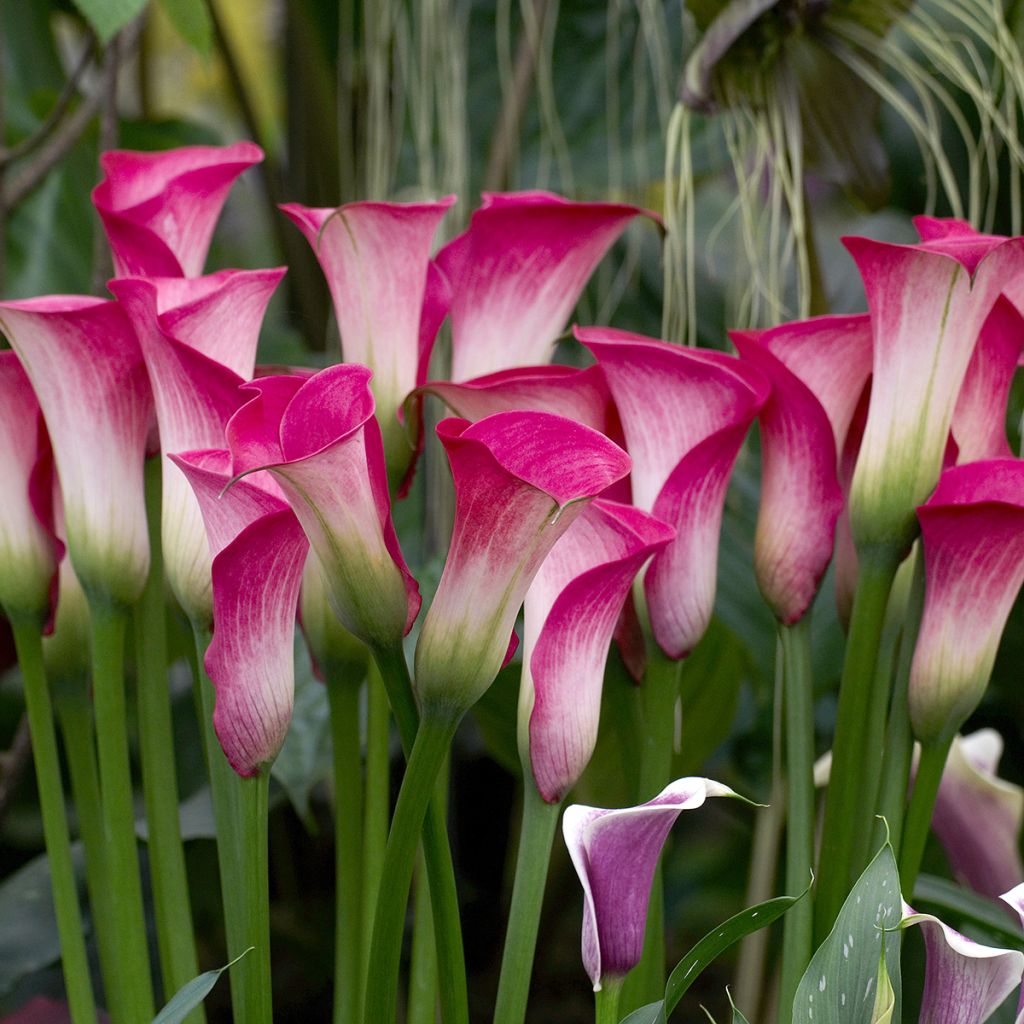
(14, 764)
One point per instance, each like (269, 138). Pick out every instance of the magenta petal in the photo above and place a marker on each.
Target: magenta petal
(615, 853)
(520, 481)
(685, 414)
(928, 304)
(973, 533)
(29, 549)
(979, 418)
(159, 210)
(319, 438)
(800, 494)
(965, 982)
(571, 611)
(978, 816)
(87, 371)
(251, 658)
(517, 273)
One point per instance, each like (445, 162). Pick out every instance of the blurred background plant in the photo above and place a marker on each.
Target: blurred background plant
(762, 130)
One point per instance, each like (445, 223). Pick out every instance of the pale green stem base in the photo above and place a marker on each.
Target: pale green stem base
(537, 833)
(606, 1003)
(433, 739)
(798, 704)
(175, 935)
(343, 700)
(74, 961)
(846, 815)
(107, 625)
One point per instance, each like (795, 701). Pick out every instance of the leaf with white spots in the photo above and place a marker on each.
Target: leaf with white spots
(842, 983)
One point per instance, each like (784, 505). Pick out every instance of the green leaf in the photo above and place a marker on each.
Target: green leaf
(108, 17)
(191, 20)
(192, 993)
(842, 982)
(652, 1013)
(951, 899)
(718, 941)
(737, 1017)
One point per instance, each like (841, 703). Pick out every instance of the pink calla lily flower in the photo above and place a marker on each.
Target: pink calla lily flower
(521, 480)
(615, 853)
(978, 815)
(928, 303)
(259, 551)
(388, 298)
(86, 368)
(29, 548)
(571, 611)
(318, 437)
(517, 273)
(159, 210)
(684, 414)
(198, 337)
(965, 982)
(973, 533)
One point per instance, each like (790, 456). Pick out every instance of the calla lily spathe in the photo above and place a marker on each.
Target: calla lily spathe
(517, 273)
(973, 534)
(29, 549)
(159, 210)
(521, 480)
(928, 303)
(684, 414)
(86, 369)
(570, 613)
(615, 853)
(259, 551)
(319, 439)
(198, 337)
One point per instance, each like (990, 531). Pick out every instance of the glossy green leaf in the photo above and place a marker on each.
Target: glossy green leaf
(191, 19)
(191, 994)
(108, 17)
(953, 901)
(718, 941)
(652, 1013)
(841, 985)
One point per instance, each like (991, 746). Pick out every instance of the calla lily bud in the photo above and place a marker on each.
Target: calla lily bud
(517, 273)
(685, 414)
(198, 337)
(965, 982)
(319, 439)
(571, 611)
(376, 258)
(29, 549)
(928, 303)
(335, 651)
(259, 552)
(973, 533)
(84, 362)
(521, 480)
(615, 853)
(159, 210)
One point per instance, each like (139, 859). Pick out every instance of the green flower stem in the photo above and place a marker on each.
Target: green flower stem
(537, 833)
(377, 805)
(919, 812)
(606, 1002)
(433, 739)
(107, 633)
(253, 871)
(659, 693)
(444, 897)
(74, 715)
(225, 788)
(343, 700)
(28, 643)
(899, 741)
(175, 935)
(798, 706)
(846, 814)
